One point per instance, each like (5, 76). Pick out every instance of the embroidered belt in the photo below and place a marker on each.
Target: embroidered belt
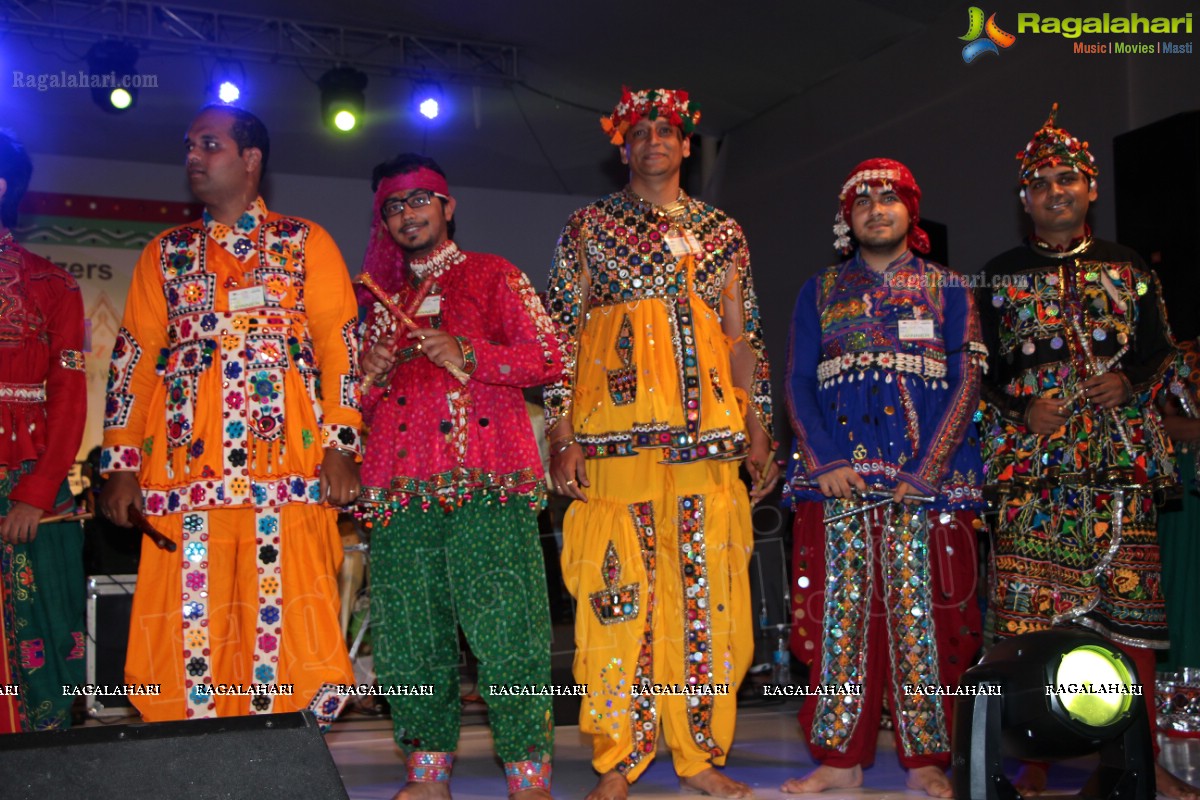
(22, 392)
(925, 366)
(208, 324)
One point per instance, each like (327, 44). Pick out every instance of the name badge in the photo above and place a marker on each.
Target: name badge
(916, 329)
(680, 243)
(250, 297)
(431, 305)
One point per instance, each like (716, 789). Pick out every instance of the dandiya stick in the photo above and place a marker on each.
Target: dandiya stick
(139, 521)
(66, 518)
(404, 319)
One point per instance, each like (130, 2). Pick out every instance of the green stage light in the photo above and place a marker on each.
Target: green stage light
(1094, 667)
(120, 98)
(342, 98)
(1054, 694)
(112, 68)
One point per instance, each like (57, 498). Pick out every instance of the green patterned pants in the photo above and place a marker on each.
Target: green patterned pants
(479, 567)
(43, 606)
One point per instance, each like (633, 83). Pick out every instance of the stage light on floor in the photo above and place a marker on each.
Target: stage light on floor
(428, 108)
(342, 97)
(1051, 695)
(112, 67)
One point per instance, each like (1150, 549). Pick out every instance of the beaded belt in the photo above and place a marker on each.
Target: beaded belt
(22, 392)
(925, 366)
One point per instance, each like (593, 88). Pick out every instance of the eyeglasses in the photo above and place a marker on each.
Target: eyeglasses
(418, 199)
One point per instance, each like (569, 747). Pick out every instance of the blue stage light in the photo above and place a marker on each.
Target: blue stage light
(228, 92)
(429, 108)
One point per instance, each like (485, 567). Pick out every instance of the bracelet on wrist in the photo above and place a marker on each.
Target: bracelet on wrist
(558, 448)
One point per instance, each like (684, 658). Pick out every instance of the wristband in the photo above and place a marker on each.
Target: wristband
(558, 448)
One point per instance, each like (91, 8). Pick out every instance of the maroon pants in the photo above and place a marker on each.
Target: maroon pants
(957, 626)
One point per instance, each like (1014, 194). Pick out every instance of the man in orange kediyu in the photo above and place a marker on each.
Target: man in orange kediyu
(232, 421)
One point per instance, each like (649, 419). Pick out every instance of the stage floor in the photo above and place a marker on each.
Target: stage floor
(766, 752)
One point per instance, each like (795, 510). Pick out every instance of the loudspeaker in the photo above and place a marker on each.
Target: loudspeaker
(1155, 170)
(211, 759)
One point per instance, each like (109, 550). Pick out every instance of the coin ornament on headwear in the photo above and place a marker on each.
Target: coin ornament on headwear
(889, 175)
(671, 104)
(1052, 147)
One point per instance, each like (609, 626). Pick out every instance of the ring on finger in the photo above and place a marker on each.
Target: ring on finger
(571, 482)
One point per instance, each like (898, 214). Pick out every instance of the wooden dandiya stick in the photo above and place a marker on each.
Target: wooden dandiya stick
(139, 521)
(393, 308)
(66, 518)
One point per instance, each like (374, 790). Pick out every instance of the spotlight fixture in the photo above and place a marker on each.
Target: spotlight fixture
(113, 75)
(1051, 695)
(227, 80)
(427, 99)
(342, 97)
(228, 92)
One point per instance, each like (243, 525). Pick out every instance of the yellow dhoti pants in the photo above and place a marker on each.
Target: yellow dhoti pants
(657, 560)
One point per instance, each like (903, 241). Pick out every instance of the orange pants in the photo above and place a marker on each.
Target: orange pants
(312, 649)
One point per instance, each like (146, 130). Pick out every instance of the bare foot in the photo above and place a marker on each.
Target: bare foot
(715, 784)
(612, 786)
(823, 778)
(1031, 779)
(1170, 786)
(424, 790)
(930, 780)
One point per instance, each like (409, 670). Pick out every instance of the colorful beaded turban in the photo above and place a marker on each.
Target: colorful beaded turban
(673, 104)
(1051, 147)
(887, 174)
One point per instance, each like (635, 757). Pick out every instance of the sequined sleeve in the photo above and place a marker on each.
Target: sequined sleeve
(530, 352)
(131, 373)
(66, 388)
(964, 362)
(815, 448)
(997, 374)
(743, 324)
(567, 301)
(1153, 348)
(379, 327)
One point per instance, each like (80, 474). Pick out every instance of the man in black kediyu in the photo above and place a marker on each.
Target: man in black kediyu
(1078, 343)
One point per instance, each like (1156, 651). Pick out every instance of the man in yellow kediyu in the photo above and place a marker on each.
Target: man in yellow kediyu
(668, 390)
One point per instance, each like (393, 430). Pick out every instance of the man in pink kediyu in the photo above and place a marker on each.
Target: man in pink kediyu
(453, 483)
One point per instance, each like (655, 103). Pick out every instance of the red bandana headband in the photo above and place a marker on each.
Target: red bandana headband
(884, 173)
(1052, 147)
(423, 178)
(671, 104)
(384, 260)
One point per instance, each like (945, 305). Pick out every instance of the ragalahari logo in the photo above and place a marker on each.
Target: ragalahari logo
(996, 40)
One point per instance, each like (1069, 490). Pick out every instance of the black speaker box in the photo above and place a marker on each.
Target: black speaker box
(229, 758)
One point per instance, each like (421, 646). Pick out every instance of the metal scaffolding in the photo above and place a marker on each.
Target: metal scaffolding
(160, 27)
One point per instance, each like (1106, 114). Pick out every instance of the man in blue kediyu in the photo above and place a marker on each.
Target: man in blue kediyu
(883, 380)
